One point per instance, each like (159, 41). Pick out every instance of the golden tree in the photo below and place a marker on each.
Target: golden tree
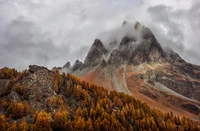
(43, 121)
(23, 125)
(13, 127)
(79, 124)
(3, 123)
(60, 119)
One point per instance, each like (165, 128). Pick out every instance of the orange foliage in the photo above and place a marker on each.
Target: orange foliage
(23, 126)
(43, 121)
(7, 73)
(17, 110)
(90, 107)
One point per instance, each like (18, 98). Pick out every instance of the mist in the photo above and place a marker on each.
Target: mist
(50, 33)
(112, 38)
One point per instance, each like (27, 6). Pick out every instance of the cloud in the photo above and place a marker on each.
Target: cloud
(24, 43)
(178, 28)
(52, 32)
(112, 38)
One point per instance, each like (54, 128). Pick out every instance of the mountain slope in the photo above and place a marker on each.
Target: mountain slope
(136, 64)
(40, 99)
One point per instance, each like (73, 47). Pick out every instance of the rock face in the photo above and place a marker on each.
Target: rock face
(67, 65)
(40, 86)
(76, 65)
(147, 50)
(95, 54)
(35, 87)
(139, 66)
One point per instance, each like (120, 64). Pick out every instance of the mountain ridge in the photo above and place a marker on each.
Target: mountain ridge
(138, 65)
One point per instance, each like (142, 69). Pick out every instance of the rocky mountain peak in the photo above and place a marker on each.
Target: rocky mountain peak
(76, 65)
(95, 54)
(132, 43)
(149, 50)
(67, 65)
(98, 44)
(137, 49)
(126, 40)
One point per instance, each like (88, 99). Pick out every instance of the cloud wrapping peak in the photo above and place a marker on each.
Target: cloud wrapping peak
(112, 38)
(50, 32)
(178, 28)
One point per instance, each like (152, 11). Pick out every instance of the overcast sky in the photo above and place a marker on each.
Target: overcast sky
(52, 32)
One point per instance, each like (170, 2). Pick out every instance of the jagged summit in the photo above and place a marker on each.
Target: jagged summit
(133, 43)
(76, 65)
(67, 65)
(95, 54)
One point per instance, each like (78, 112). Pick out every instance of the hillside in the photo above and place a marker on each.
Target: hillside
(40, 99)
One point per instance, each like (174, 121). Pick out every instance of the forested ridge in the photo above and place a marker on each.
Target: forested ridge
(78, 105)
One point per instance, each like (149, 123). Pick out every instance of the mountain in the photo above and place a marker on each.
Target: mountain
(38, 99)
(135, 63)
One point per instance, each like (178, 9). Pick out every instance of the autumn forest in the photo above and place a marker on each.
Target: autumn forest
(77, 105)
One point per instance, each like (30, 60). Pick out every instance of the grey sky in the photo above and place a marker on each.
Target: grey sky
(52, 32)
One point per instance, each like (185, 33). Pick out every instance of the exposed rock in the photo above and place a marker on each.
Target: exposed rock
(126, 40)
(13, 96)
(35, 68)
(149, 50)
(103, 63)
(172, 56)
(191, 108)
(40, 86)
(135, 52)
(95, 55)
(76, 65)
(56, 68)
(115, 58)
(67, 65)
(186, 88)
(149, 94)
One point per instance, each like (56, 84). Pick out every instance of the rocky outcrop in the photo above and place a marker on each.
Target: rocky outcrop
(103, 63)
(149, 50)
(40, 86)
(67, 65)
(172, 56)
(191, 108)
(35, 87)
(76, 66)
(95, 54)
(116, 58)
